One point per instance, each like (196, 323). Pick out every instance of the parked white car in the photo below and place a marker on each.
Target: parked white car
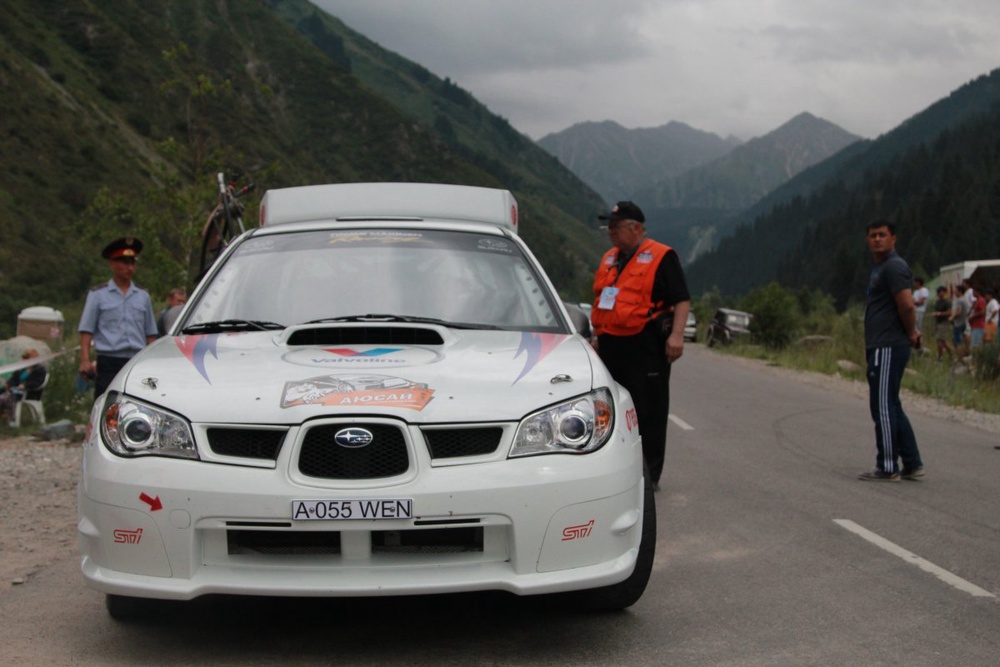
(377, 392)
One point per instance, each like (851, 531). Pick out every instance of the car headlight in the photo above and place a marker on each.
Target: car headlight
(132, 428)
(578, 426)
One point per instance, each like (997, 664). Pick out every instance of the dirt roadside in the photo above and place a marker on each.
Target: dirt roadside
(37, 505)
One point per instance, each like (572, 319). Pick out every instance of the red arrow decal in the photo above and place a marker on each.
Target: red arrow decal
(154, 503)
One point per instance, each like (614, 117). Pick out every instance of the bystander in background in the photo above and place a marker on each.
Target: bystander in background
(942, 330)
(176, 298)
(921, 295)
(959, 317)
(992, 315)
(25, 383)
(977, 320)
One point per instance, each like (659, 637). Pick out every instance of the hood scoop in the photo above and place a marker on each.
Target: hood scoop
(365, 335)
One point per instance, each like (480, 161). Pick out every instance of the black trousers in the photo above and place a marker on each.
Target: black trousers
(639, 363)
(107, 369)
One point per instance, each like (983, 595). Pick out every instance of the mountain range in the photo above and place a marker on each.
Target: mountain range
(690, 183)
(116, 116)
(616, 162)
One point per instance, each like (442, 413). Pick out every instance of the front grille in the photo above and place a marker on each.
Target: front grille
(299, 543)
(278, 542)
(385, 456)
(246, 442)
(434, 540)
(447, 443)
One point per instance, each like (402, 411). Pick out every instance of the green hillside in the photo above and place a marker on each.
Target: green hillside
(546, 190)
(116, 114)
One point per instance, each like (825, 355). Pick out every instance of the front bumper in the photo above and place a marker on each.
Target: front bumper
(535, 525)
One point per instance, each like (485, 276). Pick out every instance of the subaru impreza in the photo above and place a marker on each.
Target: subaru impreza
(376, 392)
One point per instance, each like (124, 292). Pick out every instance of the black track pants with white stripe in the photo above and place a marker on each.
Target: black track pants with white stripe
(894, 438)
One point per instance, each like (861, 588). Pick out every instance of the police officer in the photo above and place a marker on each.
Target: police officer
(640, 309)
(117, 317)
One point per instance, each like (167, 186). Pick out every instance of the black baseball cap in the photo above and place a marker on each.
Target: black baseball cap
(624, 210)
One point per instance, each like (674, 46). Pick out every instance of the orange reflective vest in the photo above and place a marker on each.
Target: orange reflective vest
(634, 306)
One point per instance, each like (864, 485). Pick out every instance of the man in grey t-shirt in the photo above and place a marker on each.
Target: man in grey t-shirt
(890, 333)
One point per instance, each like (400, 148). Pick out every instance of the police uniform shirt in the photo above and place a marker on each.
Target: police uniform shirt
(119, 323)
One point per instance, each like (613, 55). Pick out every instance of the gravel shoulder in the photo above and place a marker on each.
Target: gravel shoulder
(38, 489)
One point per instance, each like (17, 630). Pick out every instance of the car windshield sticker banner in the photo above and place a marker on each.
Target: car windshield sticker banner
(535, 346)
(347, 352)
(351, 358)
(196, 347)
(357, 390)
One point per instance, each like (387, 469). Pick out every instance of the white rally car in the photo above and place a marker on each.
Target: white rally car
(377, 392)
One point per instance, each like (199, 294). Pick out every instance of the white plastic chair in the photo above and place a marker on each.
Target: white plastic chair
(35, 406)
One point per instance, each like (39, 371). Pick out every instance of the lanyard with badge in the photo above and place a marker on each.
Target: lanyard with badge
(610, 293)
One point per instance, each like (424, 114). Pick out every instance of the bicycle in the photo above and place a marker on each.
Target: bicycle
(224, 223)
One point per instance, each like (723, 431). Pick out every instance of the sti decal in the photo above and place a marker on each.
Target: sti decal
(123, 536)
(577, 532)
(195, 348)
(535, 346)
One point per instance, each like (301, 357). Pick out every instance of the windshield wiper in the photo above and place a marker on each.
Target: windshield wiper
(221, 326)
(387, 317)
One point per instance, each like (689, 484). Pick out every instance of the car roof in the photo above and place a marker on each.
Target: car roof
(354, 202)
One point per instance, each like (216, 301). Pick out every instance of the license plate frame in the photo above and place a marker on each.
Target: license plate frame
(352, 509)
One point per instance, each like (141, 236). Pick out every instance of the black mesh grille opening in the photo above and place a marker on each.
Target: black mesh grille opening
(281, 542)
(434, 540)
(380, 335)
(322, 457)
(245, 442)
(449, 443)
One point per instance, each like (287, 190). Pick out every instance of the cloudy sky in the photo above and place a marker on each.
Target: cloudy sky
(740, 67)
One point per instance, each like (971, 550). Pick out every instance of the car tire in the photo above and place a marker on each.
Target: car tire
(126, 608)
(625, 593)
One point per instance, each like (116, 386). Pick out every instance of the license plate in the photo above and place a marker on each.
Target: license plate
(355, 509)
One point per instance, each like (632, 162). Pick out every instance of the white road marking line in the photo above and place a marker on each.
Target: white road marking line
(681, 423)
(910, 557)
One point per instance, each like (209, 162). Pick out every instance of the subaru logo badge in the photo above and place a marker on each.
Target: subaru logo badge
(353, 438)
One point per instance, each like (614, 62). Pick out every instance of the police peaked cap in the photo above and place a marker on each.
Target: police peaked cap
(127, 246)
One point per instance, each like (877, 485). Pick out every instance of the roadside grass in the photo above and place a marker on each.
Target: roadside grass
(840, 338)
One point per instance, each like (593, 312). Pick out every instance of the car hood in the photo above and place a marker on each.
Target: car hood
(259, 378)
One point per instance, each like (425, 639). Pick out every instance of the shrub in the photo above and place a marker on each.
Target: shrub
(775, 313)
(987, 362)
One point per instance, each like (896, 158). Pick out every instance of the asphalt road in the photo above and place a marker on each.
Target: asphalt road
(770, 553)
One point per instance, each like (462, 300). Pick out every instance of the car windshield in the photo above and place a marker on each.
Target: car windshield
(460, 278)
(738, 320)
